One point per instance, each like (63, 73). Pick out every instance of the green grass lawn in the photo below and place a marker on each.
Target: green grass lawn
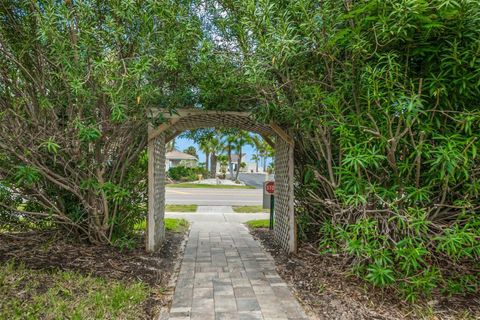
(176, 207)
(181, 208)
(249, 209)
(206, 186)
(171, 224)
(255, 224)
(38, 294)
(175, 225)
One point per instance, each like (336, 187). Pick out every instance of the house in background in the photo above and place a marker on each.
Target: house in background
(250, 166)
(176, 158)
(235, 161)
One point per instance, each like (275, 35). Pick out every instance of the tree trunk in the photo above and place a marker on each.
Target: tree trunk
(230, 165)
(207, 166)
(239, 162)
(256, 165)
(97, 213)
(213, 165)
(265, 164)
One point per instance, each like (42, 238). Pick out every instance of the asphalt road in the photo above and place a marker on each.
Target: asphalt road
(214, 197)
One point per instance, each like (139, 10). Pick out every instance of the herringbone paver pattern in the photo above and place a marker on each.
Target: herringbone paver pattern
(225, 274)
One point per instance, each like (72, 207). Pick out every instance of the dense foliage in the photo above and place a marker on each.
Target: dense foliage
(182, 173)
(383, 97)
(77, 79)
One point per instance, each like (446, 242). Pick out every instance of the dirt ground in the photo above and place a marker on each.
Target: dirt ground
(46, 252)
(327, 290)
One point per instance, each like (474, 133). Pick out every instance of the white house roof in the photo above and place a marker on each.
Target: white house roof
(177, 155)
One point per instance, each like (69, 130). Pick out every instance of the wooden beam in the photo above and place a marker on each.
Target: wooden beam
(179, 114)
(193, 112)
(268, 140)
(172, 136)
(281, 133)
(152, 134)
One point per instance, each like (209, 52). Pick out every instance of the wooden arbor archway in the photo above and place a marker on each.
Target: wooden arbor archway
(188, 119)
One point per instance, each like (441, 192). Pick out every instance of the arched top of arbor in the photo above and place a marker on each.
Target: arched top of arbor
(189, 119)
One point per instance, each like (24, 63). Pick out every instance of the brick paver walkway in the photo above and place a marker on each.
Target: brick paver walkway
(225, 274)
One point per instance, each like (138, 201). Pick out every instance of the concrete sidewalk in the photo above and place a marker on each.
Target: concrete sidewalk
(225, 274)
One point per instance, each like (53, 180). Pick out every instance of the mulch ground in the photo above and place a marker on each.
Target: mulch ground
(44, 251)
(328, 291)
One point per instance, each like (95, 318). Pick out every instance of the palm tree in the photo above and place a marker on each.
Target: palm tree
(256, 158)
(223, 164)
(265, 151)
(204, 145)
(229, 143)
(242, 139)
(259, 144)
(191, 151)
(216, 147)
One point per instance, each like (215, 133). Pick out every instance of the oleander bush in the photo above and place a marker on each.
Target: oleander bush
(77, 82)
(383, 98)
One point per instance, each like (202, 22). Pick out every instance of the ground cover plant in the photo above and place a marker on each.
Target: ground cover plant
(171, 224)
(37, 294)
(260, 223)
(249, 209)
(181, 207)
(45, 275)
(176, 225)
(327, 289)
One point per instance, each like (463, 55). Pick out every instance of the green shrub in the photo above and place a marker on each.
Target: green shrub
(182, 173)
(73, 122)
(410, 263)
(382, 97)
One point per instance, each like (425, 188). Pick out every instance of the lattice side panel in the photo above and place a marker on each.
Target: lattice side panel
(156, 193)
(284, 229)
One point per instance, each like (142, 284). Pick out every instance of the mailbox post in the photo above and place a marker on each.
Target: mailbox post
(269, 188)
